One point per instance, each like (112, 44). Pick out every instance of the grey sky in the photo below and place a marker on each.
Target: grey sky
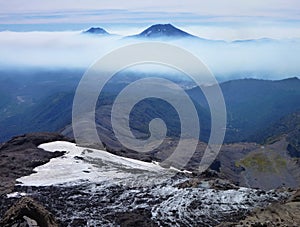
(284, 9)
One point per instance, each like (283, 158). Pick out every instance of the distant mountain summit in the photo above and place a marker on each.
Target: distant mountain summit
(162, 31)
(260, 40)
(96, 31)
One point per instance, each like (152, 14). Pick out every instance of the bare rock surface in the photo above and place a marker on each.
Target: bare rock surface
(27, 212)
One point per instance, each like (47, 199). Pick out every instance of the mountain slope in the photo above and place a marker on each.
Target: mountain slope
(273, 163)
(45, 100)
(288, 128)
(162, 31)
(133, 192)
(96, 31)
(253, 105)
(36, 100)
(287, 125)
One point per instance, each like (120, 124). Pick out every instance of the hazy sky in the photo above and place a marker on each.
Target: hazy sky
(216, 19)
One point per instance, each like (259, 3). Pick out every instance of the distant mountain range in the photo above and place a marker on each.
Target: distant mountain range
(253, 105)
(153, 32)
(166, 31)
(46, 102)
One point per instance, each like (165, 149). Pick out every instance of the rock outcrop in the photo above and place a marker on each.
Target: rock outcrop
(27, 212)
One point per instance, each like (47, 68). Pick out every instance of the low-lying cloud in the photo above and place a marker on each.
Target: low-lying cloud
(263, 58)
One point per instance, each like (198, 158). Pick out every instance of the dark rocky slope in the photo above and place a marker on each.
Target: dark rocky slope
(278, 214)
(180, 201)
(208, 199)
(20, 155)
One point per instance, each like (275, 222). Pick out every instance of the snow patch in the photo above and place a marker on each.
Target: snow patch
(16, 194)
(81, 164)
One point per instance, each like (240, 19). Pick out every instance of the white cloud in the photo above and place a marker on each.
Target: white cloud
(74, 50)
(52, 49)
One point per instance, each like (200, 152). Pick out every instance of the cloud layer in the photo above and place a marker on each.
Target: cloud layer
(276, 59)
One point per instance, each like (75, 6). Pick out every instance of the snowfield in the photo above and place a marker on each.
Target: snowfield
(80, 164)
